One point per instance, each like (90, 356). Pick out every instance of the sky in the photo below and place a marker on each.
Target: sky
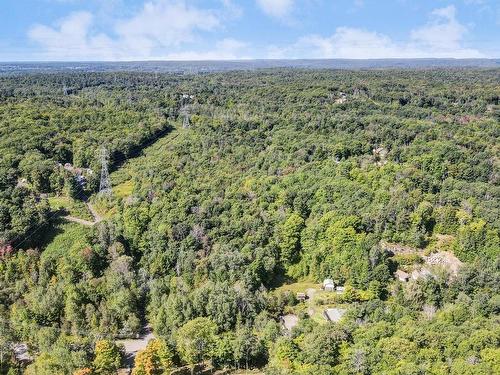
(111, 30)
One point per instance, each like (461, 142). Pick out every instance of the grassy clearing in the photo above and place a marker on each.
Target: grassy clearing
(104, 208)
(297, 287)
(70, 207)
(124, 189)
(68, 237)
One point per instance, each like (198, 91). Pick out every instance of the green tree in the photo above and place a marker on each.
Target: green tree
(290, 238)
(107, 358)
(471, 240)
(196, 341)
(247, 347)
(322, 346)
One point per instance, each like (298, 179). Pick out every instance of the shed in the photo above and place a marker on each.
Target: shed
(328, 285)
(334, 315)
(340, 289)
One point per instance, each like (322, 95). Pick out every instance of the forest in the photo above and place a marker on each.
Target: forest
(277, 221)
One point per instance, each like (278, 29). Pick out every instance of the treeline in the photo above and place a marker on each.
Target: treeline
(282, 176)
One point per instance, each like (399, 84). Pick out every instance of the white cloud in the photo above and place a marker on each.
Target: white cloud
(276, 8)
(159, 25)
(170, 29)
(441, 37)
(443, 34)
(71, 40)
(166, 23)
(232, 10)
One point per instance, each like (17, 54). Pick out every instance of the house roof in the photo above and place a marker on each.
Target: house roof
(327, 281)
(334, 315)
(21, 352)
(290, 321)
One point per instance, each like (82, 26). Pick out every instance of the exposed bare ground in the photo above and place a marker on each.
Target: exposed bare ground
(290, 321)
(94, 213)
(79, 221)
(446, 260)
(132, 346)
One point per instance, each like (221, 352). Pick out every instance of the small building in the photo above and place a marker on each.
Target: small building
(340, 289)
(402, 276)
(21, 353)
(334, 315)
(328, 285)
(289, 321)
(301, 296)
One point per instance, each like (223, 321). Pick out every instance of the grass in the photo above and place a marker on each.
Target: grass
(124, 189)
(104, 207)
(298, 287)
(70, 206)
(68, 237)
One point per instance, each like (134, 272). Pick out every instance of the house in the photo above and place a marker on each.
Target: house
(79, 173)
(402, 276)
(21, 353)
(334, 315)
(301, 296)
(328, 285)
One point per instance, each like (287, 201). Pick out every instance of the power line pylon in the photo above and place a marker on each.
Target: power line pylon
(185, 121)
(105, 184)
(184, 111)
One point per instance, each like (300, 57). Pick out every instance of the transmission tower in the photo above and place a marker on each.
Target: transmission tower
(185, 121)
(105, 185)
(185, 100)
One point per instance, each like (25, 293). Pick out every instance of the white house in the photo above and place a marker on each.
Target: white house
(328, 285)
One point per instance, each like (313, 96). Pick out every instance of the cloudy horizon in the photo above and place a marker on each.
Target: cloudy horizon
(136, 30)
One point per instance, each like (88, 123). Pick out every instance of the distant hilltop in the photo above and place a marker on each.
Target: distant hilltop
(220, 66)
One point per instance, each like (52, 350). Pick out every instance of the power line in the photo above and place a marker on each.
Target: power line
(105, 184)
(80, 191)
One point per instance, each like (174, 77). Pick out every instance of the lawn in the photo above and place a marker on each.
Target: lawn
(297, 287)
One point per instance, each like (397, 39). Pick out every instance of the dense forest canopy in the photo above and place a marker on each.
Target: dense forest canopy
(279, 179)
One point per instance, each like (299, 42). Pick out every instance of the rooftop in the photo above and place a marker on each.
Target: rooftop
(334, 314)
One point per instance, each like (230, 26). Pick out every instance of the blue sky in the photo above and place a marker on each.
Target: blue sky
(66, 30)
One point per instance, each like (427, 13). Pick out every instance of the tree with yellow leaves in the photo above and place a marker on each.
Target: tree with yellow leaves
(156, 359)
